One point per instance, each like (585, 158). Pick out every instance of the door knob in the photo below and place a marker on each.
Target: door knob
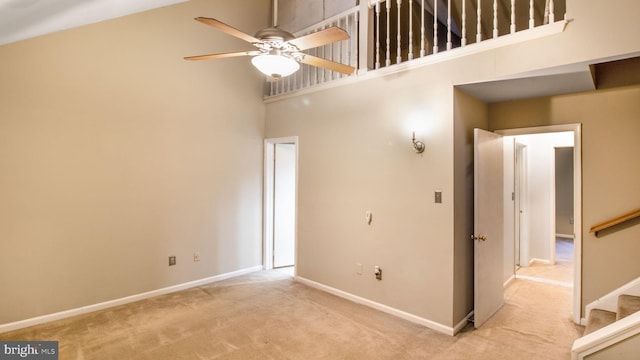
(481, 237)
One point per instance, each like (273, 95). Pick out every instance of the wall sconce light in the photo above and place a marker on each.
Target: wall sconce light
(418, 146)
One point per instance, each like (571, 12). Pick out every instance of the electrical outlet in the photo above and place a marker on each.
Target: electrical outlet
(196, 256)
(172, 260)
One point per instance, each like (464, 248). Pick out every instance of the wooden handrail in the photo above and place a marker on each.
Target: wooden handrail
(615, 221)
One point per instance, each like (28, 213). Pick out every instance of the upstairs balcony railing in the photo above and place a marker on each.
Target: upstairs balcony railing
(384, 33)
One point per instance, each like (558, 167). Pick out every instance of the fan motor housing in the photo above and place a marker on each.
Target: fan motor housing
(274, 34)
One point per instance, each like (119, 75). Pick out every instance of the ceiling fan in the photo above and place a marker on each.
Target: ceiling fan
(278, 53)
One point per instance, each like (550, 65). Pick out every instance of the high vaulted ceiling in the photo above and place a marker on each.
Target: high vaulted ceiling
(24, 19)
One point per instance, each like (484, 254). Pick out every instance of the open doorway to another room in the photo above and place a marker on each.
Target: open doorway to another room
(280, 184)
(543, 186)
(543, 214)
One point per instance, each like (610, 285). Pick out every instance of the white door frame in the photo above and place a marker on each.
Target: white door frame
(577, 201)
(268, 217)
(521, 209)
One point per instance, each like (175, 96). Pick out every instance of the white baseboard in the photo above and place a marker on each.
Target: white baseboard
(565, 236)
(121, 301)
(540, 261)
(608, 336)
(387, 309)
(545, 281)
(509, 281)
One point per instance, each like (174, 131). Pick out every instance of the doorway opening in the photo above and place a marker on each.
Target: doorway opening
(543, 211)
(280, 204)
(547, 203)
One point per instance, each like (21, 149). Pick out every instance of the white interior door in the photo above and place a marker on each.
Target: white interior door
(488, 225)
(284, 204)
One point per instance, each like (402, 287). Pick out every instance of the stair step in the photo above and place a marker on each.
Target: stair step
(598, 319)
(627, 305)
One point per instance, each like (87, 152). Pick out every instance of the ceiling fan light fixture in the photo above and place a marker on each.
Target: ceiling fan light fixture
(275, 65)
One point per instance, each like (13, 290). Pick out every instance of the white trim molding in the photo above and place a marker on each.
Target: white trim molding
(565, 236)
(121, 301)
(577, 201)
(388, 309)
(545, 281)
(363, 73)
(606, 337)
(268, 194)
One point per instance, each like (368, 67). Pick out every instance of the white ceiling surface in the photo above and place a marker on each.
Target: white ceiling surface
(24, 19)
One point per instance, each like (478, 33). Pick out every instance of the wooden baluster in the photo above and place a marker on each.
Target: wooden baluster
(377, 34)
(317, 71)
(313, 73)
(422, 36)
(334, 55)
(399, 37)
(354, 42)
(449, 44)
(342, 44)
(435, 26)
(513, 16)
(479, 21)
(495, 19)
(552, 16)
(300, 78)
(463, 42)
(293, 82)
(410, 56)
(305, 76)
(532, 22)
(322, 70)
(388, 58)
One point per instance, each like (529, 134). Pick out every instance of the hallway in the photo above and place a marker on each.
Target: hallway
(561, 273)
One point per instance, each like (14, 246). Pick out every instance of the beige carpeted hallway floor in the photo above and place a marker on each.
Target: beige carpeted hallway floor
(561, 272)
(266, 315)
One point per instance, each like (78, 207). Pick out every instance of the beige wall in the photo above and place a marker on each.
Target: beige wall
(610, 171)
(295, 15)
(564, 190)
(116, 153)
(355, 156)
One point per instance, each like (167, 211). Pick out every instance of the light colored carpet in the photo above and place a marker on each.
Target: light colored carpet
(267, 315)
(561, 271)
